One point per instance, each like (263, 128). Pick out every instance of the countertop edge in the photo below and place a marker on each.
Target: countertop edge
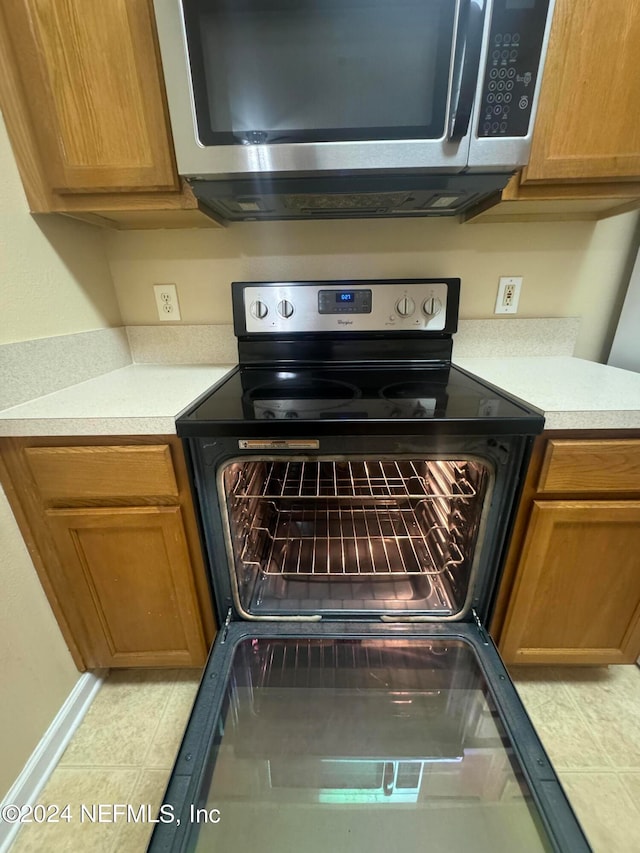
(15, 427)
(18, 421)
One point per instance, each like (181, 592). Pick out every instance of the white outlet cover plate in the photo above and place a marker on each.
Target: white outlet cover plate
(505, 281)
(167, 302)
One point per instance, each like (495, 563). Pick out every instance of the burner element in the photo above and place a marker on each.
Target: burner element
(303, 388)
(407, 391)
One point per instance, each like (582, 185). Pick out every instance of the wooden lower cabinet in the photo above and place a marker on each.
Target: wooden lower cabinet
(577, 598)
(110, 526)
(570, 593)
(131, 574)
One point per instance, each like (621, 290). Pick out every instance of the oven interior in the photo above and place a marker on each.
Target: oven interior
(354, 537)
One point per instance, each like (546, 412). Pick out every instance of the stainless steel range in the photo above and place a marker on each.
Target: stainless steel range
(356, 492)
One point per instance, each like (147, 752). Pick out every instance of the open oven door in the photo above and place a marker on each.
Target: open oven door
(361, 737)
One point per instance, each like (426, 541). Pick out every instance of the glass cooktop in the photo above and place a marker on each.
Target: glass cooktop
(372, 394)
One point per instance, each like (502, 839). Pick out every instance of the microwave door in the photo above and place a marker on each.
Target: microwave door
(359, 737)
(266, 87)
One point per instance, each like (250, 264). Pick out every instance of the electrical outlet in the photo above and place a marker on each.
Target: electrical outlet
(508, 295)
(167, 301)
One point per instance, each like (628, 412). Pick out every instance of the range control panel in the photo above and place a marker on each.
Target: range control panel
(511, 72)
(294, 307)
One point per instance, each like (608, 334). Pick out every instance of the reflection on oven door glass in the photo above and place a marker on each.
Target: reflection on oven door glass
(355, 745)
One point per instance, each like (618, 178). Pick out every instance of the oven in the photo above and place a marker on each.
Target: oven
(355, 493)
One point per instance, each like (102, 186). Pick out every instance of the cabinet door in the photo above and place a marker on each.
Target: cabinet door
(135, 603)
(90, 77)
(587, 125)
(577, 592)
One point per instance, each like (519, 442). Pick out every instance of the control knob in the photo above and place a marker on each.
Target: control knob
(285, 309)
(259, 310)
(405, 306)
(291, 414)
(432, 306)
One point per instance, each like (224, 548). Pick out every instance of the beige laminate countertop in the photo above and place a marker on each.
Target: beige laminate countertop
(573, 393)
(145, 399)
(140, 399)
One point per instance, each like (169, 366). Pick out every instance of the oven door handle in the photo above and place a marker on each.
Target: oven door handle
(465, 66)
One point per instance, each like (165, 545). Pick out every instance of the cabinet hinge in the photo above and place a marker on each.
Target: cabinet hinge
(225, 627)
(480, 627)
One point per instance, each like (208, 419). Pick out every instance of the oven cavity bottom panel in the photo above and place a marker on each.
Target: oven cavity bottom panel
(370, 536)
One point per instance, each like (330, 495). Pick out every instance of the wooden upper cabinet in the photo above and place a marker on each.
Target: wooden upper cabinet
(588, 121)
(91, 82)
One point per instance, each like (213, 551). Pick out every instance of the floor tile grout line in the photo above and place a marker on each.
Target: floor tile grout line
(113, 687)
(585, 771)
(595, 729)
(630, 794)
(601, 746)
(38, 829)
(86, 766)
(115, 847)
(164, 713)
(629, 797)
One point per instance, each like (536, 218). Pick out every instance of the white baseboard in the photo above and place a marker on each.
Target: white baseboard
(46, 755)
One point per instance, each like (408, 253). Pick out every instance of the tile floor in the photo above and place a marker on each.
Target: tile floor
(588, 719)
(122, 752)
(589, 722)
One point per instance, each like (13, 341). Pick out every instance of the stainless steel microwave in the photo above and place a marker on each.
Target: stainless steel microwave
(321, 108)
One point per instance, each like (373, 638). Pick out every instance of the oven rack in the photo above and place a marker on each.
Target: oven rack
(344, 542)
(362, 479)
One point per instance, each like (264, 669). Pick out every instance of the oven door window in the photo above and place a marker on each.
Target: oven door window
(358, 537)
(319, 70)
(362, 744)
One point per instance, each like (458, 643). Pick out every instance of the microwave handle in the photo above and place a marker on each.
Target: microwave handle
(465, 66)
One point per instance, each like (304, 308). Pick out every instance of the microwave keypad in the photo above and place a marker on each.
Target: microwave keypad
(517, 30)
(498, 101)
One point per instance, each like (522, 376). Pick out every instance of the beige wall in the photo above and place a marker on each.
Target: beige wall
(54, 276)
(569, 268)
(54, 280)
(36, 669)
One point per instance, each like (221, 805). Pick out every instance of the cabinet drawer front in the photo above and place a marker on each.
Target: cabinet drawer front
(591, 466)
(65, 474)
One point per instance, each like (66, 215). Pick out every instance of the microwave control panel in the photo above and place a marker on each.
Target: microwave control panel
(512, 65)
(291, 307)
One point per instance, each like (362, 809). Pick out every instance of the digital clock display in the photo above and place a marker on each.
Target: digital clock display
(344, 301)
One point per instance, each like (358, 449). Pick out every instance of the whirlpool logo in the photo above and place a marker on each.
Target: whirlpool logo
(345, 322)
